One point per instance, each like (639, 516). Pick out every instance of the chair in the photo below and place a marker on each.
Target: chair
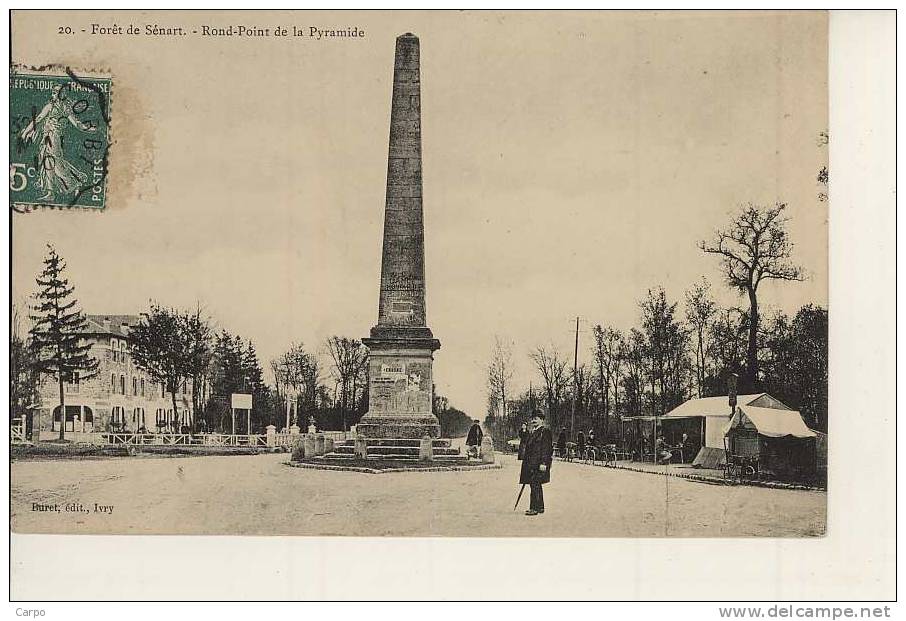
(609, 454)
(570, 451)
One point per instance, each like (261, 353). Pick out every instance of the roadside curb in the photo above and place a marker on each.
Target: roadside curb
(715, 480)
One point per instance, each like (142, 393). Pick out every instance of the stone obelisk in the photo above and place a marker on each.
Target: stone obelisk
(401, 346)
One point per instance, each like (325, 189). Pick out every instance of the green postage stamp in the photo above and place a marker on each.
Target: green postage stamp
(59, 139)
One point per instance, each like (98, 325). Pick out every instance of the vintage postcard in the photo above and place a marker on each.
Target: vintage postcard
(477, 274)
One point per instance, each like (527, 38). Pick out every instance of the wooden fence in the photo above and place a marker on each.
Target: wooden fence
(210, 439)
(17, 435)
(17, 431)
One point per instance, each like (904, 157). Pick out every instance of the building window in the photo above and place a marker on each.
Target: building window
(134, 386)
(122, 384)
(72, 386)
(143, 386)
(118, 418)
(113, 383)
(162, 391)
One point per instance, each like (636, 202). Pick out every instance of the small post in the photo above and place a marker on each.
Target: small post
(308, 444)
(299, 451)
(271, 435)
(319, 444)
(360, 447)
(487, 450)
(426, 449)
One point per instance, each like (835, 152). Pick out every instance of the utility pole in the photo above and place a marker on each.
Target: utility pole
(572, 418)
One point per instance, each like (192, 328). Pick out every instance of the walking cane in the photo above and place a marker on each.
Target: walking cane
(519, 497)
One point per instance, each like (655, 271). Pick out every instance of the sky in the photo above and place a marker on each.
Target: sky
(571, 162)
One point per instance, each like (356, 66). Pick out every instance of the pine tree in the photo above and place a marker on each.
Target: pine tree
(58, 325)
(253, 382)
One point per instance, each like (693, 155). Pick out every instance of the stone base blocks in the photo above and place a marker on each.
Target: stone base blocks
(399, 449)
(400, 427)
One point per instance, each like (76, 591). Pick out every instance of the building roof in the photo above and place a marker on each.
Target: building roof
(771, 422)
(710, 406)
(114, 325)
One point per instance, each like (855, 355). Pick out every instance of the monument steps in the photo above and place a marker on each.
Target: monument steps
(393, 450)
(347, 457)
(436, 443)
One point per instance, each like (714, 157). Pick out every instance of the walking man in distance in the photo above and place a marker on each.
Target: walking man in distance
(536, 462)
(473, 441)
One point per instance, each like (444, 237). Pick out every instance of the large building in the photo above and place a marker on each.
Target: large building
(120, 396)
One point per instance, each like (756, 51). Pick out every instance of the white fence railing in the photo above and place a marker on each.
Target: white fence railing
(17, 434)
(17, 431)
(210, 439)
(140, 439)
(222, 439)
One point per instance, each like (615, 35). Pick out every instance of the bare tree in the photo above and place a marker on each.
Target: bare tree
(297, 374)
(753, 249)
(500, 372)
(347, 356)
(632, 354)
(555, 375)
(700, 308)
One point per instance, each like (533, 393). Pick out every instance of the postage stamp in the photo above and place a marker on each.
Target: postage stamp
(59, 138)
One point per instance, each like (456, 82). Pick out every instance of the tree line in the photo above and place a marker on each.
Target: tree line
(681, 349)
(183, 351)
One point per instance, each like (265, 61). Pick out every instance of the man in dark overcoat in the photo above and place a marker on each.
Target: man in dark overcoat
(536, 462)
(473, 440)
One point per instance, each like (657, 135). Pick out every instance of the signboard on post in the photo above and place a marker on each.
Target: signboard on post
(731, 389)
(242, 401)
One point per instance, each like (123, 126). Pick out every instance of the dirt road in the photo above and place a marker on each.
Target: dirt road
(260, 495)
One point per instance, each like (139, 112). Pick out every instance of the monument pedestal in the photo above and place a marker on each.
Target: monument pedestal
(401, 389)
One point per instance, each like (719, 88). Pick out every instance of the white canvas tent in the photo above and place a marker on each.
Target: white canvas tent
(770, 422)
(715, 413)
(779, 439)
